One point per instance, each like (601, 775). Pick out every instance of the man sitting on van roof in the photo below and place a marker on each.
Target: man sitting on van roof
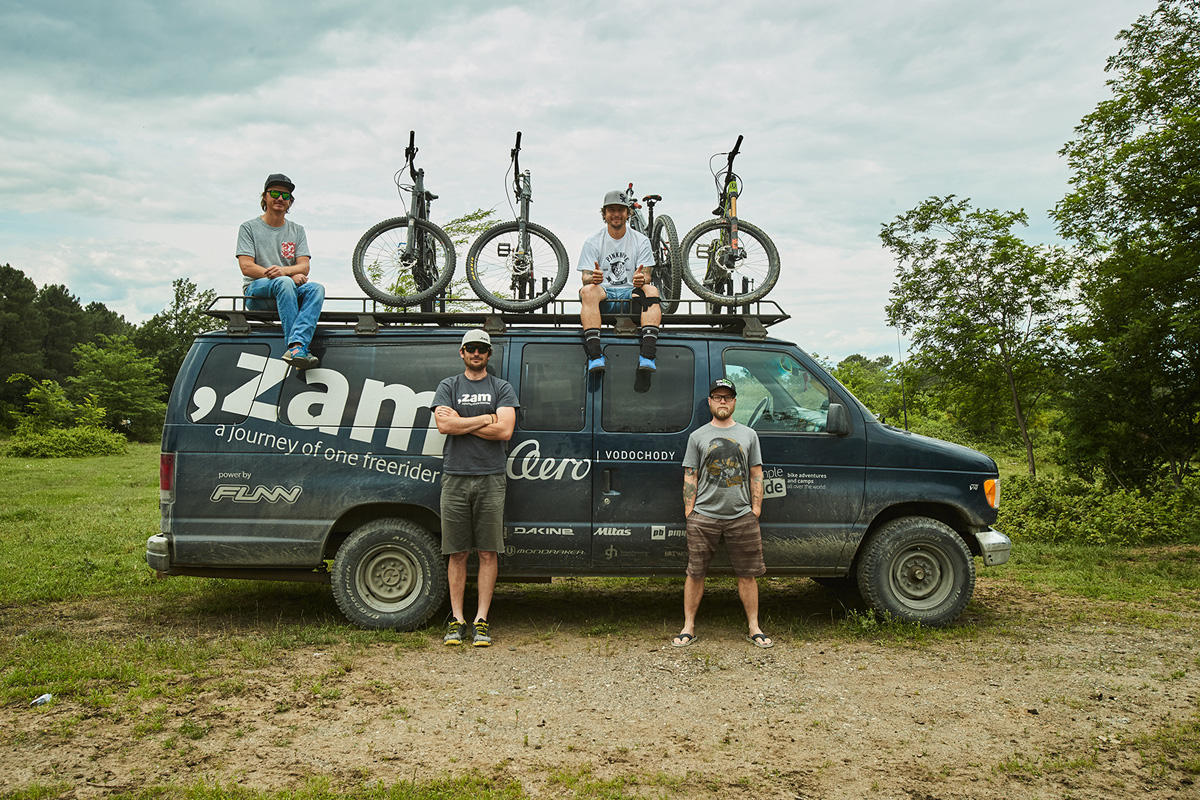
(272, 252)
(613, 264)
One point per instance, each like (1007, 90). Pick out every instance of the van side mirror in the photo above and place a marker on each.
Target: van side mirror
(838, 420)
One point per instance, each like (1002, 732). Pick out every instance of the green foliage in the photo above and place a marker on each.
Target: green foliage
(1072, 510)
(76, 442)
(47, 405)
(168, 335)
(1135, 391)
(985, 310)
(124, 382)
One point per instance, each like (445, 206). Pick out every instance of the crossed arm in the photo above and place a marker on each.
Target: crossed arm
(496, 427)
(252, 269)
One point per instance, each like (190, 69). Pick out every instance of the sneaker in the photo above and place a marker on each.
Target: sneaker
(300, 358)
(482, 638)
(293, 353)
(646, 364)
(454, 633)
(597, 364)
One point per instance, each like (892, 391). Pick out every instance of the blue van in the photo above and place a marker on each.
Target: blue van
(333, 474)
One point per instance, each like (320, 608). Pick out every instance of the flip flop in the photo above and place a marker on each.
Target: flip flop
(760, 640)
(686, 639)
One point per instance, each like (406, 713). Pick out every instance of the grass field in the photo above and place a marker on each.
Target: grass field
(73, 536)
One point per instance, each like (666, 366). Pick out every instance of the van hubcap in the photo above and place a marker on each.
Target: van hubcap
(389, 575)
(917, 575)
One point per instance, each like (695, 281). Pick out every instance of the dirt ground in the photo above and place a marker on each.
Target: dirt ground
(1046, 698)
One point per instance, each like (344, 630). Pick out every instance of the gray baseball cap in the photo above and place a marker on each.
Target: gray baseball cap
(475, 335)
(279, 179)
(615, 198)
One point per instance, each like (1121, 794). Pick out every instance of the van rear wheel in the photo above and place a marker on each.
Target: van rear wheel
(389, 574)
(917, 569)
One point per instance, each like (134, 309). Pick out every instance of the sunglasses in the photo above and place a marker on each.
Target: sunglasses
(278, 195)
(477, 348)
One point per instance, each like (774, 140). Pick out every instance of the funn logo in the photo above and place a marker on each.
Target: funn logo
(240, 493)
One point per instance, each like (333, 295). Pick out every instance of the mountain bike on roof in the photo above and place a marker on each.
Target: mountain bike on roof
(406, 261)
(664, 240)
(728, 261)
(518, 265)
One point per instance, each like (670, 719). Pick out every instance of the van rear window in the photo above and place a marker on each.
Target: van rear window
(659, 403)
(233, 378)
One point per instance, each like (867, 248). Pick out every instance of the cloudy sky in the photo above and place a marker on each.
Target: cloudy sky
(135, 136)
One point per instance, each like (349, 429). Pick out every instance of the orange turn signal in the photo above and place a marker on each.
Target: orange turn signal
(991, 489)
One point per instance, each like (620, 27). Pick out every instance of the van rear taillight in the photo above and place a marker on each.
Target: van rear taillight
(166, 477)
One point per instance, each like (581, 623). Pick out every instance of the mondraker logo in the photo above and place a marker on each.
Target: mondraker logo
(241, 493)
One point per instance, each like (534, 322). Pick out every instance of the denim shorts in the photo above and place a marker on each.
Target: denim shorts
(618, 301)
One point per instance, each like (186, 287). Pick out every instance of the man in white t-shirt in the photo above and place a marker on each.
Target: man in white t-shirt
(613, 266)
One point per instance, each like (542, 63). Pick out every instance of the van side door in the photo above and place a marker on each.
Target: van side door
(814, 480)
(548, 506)
(642, 429)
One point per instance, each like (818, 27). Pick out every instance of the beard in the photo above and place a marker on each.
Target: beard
(722, 412)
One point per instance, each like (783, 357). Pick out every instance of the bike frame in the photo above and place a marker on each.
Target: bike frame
(727, 183)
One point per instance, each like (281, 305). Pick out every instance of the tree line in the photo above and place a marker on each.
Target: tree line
(1090, 352)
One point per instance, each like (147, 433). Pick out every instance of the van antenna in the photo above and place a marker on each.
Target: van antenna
(903, 398)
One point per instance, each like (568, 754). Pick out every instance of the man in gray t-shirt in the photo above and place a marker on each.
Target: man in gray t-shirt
(477, 411)
(722, 499)
(272, 252)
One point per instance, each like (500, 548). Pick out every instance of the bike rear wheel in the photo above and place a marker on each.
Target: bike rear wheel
(396, 275)
(725, 277)
(668, 262)
(510, 280)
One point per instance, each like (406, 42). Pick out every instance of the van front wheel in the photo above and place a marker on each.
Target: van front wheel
(389, 574)
(917, 569)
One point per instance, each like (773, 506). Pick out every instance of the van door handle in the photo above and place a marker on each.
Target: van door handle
(608, 484)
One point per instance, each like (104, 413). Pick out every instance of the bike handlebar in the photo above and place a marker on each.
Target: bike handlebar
(733, 153)
(410, 154)
(515, 156)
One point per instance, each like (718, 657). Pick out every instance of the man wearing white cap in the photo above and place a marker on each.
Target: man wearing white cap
(613, 266)
(477, 411)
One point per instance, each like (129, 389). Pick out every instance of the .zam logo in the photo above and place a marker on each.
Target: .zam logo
(240, 493)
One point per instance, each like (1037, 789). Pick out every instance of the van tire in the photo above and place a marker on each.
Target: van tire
(389, 574)
(917, 569)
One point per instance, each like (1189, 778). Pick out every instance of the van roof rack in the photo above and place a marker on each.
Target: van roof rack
(365, 315)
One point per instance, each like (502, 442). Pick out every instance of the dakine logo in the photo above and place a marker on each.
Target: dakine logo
(240, 493)
(521, 531)
(613, 532)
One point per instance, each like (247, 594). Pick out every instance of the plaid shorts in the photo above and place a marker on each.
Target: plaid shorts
(743, 543)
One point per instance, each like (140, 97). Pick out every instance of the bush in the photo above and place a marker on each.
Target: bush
(1076, 511)
(74, 442)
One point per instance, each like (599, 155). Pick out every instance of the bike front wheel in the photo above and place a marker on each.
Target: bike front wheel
(511, 278)
(392, 272)
(668, 262)
(726, 275)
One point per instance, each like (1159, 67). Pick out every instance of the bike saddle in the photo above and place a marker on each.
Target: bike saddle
(430, 196)
(655, 197)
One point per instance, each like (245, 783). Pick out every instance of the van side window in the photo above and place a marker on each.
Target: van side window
(776, 394)
(235, 379)
(553, 388)
(661, 403)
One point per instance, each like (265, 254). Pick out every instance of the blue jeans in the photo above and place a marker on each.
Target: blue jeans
(298, 306)
(617, 301)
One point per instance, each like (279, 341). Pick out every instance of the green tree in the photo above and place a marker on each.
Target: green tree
(1134, 208)
(124, 382)
(21, 330)
(985, 309)
(65, 327)
(168, 335)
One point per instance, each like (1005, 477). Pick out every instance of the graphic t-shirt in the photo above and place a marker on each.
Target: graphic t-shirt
(468, 454)
(267, 245)
(618, 258)
(722, 458)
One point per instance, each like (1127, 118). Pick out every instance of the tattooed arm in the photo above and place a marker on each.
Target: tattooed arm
(756, 490)
(689, 491)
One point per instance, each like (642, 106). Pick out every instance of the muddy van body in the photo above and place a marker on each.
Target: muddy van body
(333, 474)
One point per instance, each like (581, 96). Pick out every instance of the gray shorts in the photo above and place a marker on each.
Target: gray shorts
(472, 513)
(743, 543)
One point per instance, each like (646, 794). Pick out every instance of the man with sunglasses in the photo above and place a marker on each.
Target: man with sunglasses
(272, 252)
(613, 267)
(722, 498)
(477, 412)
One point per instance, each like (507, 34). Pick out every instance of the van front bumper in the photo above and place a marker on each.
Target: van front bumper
(994, 546)
(158, 553)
